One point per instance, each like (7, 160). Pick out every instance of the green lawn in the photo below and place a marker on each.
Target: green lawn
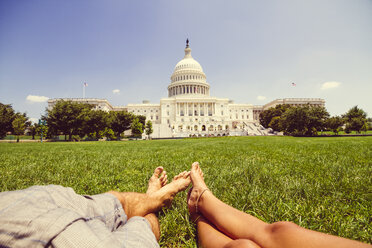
(324, 184)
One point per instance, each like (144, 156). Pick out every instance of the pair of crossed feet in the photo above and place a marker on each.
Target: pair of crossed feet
(158, 182)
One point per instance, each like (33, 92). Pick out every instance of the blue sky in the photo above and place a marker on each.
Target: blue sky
(251, 51)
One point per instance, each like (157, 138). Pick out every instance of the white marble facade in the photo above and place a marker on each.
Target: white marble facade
(189, 109)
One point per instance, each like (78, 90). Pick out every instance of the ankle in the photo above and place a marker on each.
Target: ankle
(199, 200)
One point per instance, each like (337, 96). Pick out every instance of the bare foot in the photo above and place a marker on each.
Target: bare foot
(157, 180)
(182, 181)
(199, 188)
(168, 192)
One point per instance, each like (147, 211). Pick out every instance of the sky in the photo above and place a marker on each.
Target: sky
(251, 51)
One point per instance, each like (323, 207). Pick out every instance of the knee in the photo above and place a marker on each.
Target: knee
(241, 243)
(281, 227)
(154, 223)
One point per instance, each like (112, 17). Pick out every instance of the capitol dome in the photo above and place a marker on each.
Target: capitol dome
(188, 77)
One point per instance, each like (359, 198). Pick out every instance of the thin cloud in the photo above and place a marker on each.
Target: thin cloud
(116, 91)
(32, 98)
(34, 120)
(330, 85)
(261, 98)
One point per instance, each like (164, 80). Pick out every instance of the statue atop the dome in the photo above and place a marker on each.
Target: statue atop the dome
(187, 42)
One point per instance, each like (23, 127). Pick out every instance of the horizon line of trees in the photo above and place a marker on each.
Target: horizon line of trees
(309, 120)
(79, 120)
(75, 121)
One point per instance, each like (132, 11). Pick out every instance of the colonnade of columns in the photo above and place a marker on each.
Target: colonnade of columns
(188, 89)
(195, 109)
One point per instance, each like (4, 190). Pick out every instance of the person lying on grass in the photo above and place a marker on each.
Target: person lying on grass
(55, 216)
(220, 225)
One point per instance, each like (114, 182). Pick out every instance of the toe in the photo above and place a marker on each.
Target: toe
(158, 171)
(164, 180)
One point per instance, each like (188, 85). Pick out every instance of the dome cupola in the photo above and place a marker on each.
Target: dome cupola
(188, 77)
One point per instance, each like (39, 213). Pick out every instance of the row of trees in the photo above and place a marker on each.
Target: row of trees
(11, 121)
(79, 120)
(309, 120)
(75, 120)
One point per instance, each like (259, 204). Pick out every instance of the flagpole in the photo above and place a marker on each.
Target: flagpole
(83, 90)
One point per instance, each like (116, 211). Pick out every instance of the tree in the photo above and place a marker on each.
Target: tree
(120, 122)
(6, 118)
(318, 117)
(32, 129)
(108, 133)
(266, 116)
(96, 122)
(149, 129)
(275, 123)
(142, 120)
(355, 119)
(365, 126)
(68, 117)
(304, 120)
(43, 129)
(136, 127)
(334, 124)
(19, 125)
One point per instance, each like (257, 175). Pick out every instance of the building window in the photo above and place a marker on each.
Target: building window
(157, 117)
(168, 113)
(221, 112)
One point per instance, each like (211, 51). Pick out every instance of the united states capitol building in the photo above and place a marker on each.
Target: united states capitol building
(190, 110)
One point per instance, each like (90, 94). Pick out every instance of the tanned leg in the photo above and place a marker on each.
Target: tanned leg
(239, 225)
(157, 180)
(137, 204)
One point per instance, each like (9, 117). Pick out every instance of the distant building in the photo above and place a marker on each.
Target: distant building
(98, 104)
(189, 110)
(295, 102)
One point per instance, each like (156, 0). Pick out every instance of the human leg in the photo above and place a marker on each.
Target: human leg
(138, 204)
(157, 180)
(226, 218)
(208, 234)
(239, 225)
